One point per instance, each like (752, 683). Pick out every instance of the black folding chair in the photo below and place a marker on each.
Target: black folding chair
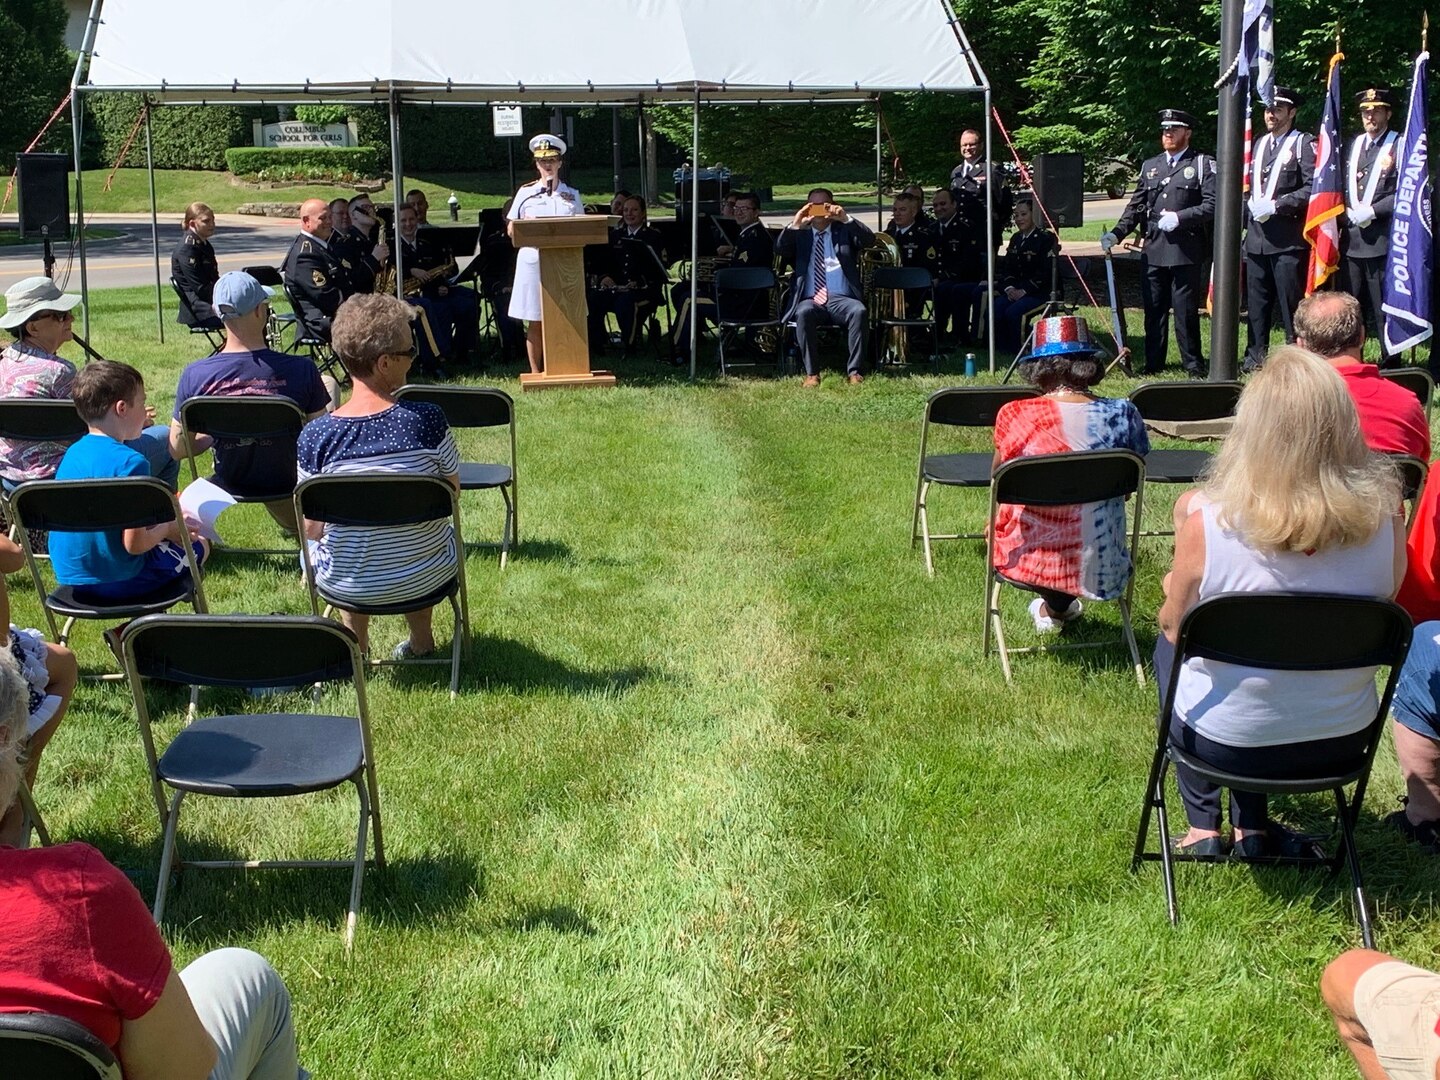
(480, 407)
(1064, 480)
(1417, 380)
(378, 500)
(35, 1044)
(215, 337)
(102, 505)
(255, 755)
(905, 280)
(1172, 402)
(52, 420)
(315, 344)
(249, 418)
(1413, 472)
(1259, 630)
(745, 283)
(960, 407)
(279, 321)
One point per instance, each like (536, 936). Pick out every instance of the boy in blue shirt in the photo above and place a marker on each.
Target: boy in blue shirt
(117, 565)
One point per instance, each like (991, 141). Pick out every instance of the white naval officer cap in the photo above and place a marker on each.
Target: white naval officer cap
(547, 146)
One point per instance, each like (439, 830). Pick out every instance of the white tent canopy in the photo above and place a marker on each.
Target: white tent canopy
(619, 50)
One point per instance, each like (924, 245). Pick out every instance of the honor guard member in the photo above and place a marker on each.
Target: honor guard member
(1172, 208)
(1370, 176)
(632, 275)
(1025, 275)
(955, 293)
(452, 318)
(1282, 166)
(917, 242)
(316, 276)
(972, 176)
(194, 270)
(753, 246)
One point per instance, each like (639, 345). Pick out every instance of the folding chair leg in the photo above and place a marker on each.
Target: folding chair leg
(506, 537)
(1157, 770)
(1167, 862)
(1129, 632)
(457, 643)
(32, 819)
(923, 512)
(994, 614)
(63, 637)
(167, 855)
(1352, 859)
(357, 879)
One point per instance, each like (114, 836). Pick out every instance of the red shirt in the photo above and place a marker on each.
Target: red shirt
(78, 940)
(1391, 417)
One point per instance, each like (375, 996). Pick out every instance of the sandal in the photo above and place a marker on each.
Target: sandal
(406, 651)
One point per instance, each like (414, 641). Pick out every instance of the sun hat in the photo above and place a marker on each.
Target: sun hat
(29, 297)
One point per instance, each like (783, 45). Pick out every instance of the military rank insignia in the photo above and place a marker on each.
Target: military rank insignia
(318, 278)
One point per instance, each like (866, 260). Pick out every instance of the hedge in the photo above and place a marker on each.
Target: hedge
(304, 163)
(185, 137)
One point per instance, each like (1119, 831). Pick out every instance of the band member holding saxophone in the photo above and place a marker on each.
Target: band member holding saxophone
(451, 311)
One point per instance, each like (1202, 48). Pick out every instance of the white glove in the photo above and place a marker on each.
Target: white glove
(1362, 214)
(1169, 221)
(1262, 210)
(1107, 241)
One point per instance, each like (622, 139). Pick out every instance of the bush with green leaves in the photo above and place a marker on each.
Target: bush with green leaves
(304, 163)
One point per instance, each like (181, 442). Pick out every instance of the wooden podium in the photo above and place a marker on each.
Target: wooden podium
(561, 241)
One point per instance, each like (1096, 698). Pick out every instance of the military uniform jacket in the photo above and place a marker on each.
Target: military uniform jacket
(1026, 264)
(425, 254)
(1187, 188)
(754, 246)
(971, 180)
(1285, 230)
(355, 247)
(318, 278)
(919, 246)
(1373, 240)
(193, 266)
(956, 246)
(628, 260)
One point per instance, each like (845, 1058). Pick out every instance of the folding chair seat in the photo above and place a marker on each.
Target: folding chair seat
(1417, 380)
(1171, 402)
(279, 321)
(216, 338)
(96, 506)
(754, 281)
(1063, 480)
(958, 407)
(904, 279)
(35, 1044)
(378, 500)
(255, 755)
(244, 417)
(480, 407)
(1257, 630)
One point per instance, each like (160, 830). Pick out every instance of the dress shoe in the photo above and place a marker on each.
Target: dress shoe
(811, 380)
(856, 378)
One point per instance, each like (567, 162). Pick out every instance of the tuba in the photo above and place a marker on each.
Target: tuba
(895, 348)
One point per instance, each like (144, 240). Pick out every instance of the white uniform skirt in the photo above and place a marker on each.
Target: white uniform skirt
(525, 292)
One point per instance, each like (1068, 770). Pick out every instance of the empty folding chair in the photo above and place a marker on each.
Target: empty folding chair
(1172, 402)
(216, 338)
(737, 282)
(902, 281)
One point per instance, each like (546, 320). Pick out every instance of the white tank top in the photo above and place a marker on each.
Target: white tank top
(1245, 706)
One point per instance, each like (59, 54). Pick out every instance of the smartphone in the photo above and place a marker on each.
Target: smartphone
(817, 209)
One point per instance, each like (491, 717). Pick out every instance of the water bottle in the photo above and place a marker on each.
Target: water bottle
(970, 365)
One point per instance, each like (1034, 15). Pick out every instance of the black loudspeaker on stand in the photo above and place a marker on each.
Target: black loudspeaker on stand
(42, 184)
(1060, 187)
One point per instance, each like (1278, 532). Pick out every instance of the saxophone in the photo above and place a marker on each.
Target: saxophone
(885, 252)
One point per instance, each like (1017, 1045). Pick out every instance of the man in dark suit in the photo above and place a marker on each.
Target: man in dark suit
(195, 270)
(1370, 176)
(974, 174)
(316, 275)
(1282, 166)
(1173, 208)
(823, 243)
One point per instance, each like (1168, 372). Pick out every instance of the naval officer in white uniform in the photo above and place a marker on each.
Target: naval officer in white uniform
(546, 197)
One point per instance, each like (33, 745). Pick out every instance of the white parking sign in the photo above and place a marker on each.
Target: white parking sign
(507, 121)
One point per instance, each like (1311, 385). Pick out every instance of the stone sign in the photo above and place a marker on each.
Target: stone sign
(297, 134)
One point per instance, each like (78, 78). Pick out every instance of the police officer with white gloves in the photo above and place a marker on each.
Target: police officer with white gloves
(1370, 174)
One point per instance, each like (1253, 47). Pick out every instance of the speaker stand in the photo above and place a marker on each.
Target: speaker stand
(49, 255)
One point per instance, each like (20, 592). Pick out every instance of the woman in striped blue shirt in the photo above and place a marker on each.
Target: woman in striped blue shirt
(373, 432)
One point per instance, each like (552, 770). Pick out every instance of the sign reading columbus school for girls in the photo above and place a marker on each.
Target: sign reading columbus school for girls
(298, 134)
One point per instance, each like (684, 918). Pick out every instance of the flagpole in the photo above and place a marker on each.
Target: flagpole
(1225, 315)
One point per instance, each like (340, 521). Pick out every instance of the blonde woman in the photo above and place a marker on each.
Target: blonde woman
(1295, 502)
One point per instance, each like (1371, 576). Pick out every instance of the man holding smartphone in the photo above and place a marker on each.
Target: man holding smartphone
(823, 242)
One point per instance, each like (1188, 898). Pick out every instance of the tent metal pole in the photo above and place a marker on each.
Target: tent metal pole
(615, 144)
(154, 223)
(989, 234)
(398, 180)
(694, 225)
(1229, 158)
(640, 148)
(77, 116)
(879, 143)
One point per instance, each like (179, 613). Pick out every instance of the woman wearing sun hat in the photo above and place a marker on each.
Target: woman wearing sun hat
(41, 318)
(1064, 553)
(548, 196)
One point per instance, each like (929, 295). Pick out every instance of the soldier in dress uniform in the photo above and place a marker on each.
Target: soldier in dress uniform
(1370, 176)
(631, 275)
(1024, 273)
(1282, 166)
(194, 269)
(452, 317)
(316, 275)
(955, 289)
(973, 174)
(753, 246)
(366, 259)
(917, 241)
(1172, 208)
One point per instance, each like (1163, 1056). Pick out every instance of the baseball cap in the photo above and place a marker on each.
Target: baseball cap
(237, 293)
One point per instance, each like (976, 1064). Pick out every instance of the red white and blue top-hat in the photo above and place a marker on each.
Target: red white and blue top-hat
(1061, 335)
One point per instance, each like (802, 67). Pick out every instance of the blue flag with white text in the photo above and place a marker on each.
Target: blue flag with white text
(1410, 261)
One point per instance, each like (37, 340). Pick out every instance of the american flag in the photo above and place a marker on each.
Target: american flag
(1327, 203)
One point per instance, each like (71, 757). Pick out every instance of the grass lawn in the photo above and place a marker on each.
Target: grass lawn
(729, 789)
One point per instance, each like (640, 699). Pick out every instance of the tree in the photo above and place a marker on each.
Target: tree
(35, 72)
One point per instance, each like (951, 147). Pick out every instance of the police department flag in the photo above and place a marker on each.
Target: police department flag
(1408, 264)
(1257, 47)
(1327, 203)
